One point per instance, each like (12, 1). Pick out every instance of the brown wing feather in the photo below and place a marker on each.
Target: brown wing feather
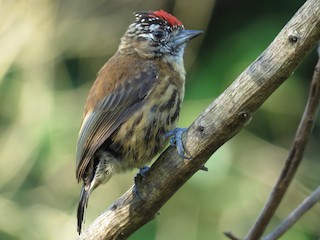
(110, 113)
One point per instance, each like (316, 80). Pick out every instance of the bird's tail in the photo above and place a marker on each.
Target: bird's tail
(83, 203)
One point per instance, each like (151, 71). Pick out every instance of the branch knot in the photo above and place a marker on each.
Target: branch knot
(294, 37)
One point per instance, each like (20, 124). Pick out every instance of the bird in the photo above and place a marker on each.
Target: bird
(134, 104)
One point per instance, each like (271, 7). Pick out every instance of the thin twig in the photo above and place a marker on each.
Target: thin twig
(306, 205)
(231, 236)
(294, 159)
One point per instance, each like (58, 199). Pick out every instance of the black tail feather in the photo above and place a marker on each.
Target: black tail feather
(83, 203)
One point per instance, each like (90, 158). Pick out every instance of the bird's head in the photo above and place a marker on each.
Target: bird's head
(156, 34)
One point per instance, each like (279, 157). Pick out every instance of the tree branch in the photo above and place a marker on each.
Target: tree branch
(217, 124)
(306, 205)
(294, 159)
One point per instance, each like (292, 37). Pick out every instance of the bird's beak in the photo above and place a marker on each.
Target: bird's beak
(186, 35)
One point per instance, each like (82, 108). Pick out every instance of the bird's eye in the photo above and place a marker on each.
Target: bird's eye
(158, 34)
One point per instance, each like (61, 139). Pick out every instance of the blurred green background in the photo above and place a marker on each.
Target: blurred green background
(50, 52)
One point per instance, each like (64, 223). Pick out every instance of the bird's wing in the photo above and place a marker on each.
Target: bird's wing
(109, 114)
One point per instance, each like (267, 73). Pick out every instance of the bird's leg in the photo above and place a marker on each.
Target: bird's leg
(137, 180)
(176, 140)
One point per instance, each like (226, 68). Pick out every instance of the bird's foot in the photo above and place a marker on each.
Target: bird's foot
(176, 140)
(137, 180)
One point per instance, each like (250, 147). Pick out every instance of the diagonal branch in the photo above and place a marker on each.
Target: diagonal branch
(222, 119)
(306, 205)
(294, 159)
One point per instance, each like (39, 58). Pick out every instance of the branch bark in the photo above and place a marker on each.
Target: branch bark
(294, 158)
(222, 119)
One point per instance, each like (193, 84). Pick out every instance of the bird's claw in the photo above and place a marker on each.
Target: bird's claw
(137, 180)
(176, 140)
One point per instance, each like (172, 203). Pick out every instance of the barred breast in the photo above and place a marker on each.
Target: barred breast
(141, 137)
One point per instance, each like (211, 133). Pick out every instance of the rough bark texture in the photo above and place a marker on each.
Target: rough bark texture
(222, 119)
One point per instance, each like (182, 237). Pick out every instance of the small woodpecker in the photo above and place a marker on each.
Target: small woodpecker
(134, 103)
